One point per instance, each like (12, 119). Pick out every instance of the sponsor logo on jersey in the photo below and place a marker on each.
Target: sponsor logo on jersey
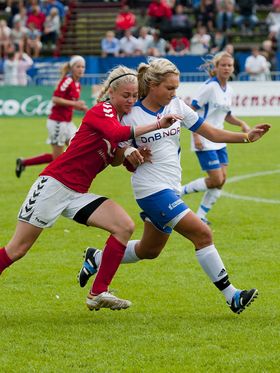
(161, 134)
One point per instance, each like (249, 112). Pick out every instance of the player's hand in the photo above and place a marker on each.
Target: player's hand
(81, 105)
(146, 153)
(135, 158)
(169, 119)
(258, 131)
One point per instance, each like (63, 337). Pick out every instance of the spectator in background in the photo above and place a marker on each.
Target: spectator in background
(273, 22)
(179, 45)
(218, 42)
(13, 7)
(269, 53)
(110, 45)
(36, 17)
(22, 17)
(24, 63)
(159, 15)
(144, 39)
(180, 21)
(207, 15)
(125, 20)
(129, 44)
(225, 14)
(5, 40)
(257, 66)
(200, 42)
(246, 19)
(18, 36)
(157, 46)
(230, 49)
(51, 29)
(33, 40)
(10, 69)
(47, 5)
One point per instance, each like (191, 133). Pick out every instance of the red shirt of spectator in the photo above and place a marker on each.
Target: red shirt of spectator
(125, 19)
(159, 9)
(36, 17)
(180, 43)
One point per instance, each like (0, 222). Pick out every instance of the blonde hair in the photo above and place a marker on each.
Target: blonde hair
(154, 71)
(67, 67)
(117, 76)
(212, 62)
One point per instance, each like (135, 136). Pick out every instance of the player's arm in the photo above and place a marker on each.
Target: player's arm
(196, 137)
(237, 122)
(219, 135)
(77, 105)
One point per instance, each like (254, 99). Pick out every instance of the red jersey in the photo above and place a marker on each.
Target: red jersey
(91, 150)
(69, 90)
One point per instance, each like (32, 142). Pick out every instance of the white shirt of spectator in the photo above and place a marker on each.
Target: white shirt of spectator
(259, 66)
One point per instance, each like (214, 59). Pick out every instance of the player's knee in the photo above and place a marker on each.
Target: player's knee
(125, 229)
(203, 237)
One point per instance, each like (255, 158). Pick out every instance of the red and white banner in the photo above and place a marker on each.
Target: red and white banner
(250, 98)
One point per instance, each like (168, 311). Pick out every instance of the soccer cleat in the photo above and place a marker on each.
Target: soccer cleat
(206, 221)
(106, 300)
(89, 267)
(19, 167)
(242, 299)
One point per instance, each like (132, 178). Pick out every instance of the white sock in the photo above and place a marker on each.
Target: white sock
(207, 202)
(197, 185)
(212, 264)
(129, 254)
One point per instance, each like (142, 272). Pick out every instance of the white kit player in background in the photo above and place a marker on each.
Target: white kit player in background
(213, 102)
(157, 184)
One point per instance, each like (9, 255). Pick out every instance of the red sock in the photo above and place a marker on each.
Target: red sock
(5, 261)
(111, 259)
(40, 159)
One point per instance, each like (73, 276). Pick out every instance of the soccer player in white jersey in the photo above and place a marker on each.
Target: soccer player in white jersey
(213, 102)
(157, 186)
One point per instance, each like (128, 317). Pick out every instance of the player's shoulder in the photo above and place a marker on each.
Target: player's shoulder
(65, 83)
(104, 109)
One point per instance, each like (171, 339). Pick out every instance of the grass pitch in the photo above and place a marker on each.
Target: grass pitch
(178, 322)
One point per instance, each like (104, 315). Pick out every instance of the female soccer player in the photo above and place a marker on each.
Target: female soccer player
(213, 102)
(62, 187)
(157, 185)
(61, 129)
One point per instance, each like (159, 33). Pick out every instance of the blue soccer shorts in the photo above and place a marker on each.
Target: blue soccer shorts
(163, 209)
(212, 159)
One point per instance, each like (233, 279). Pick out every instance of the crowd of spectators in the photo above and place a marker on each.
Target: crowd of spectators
(195, 27)
(28, 27)
(165, 27)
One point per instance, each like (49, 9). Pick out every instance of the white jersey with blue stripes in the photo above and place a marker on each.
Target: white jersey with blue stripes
(165, 170)
(213, 103)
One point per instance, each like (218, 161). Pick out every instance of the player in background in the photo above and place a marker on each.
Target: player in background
(157, 184)
(213, 102)
(61, 129)
(62, 187)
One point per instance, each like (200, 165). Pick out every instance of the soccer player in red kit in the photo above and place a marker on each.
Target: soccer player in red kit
(61, 129)
(62, 187)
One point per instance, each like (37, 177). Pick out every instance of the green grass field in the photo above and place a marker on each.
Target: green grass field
(179, 322)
